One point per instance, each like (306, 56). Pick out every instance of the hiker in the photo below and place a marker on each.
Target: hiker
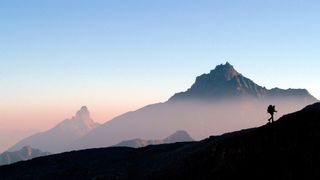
(271, 111)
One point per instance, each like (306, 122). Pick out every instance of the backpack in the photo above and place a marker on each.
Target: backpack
(270, 109)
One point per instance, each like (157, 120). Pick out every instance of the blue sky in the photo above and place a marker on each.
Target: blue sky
(115, 56)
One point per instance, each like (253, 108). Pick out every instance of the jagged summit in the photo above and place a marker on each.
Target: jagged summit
(83, 113)
(222, 82)
(226, 82)
(81, 123)
(83, 119)
(224, 72)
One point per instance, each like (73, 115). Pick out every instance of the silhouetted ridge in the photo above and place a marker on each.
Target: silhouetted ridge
(314, 108)
(277, 92)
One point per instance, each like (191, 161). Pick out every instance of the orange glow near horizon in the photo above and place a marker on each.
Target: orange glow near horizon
(45, 117)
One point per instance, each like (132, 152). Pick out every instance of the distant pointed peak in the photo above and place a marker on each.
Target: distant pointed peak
(84, 119)
(81, 120)
(83, 113)
(84, 109)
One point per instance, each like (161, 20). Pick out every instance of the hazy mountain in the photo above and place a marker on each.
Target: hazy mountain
(138, 143)
(23, 154)
(179, 136)
(208, 107)
(285, 150)
(62, 135)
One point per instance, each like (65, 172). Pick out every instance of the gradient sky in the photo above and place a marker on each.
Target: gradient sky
(119, 55)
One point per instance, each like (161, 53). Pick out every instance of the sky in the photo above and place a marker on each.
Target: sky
(117, 56)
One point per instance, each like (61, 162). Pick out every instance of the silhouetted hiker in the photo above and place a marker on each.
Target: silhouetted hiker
(271, 111)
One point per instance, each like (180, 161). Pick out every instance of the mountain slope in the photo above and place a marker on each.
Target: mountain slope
(179, 136)
(62, 135)
(26, 153)
(287, 149)
(15, 136)
(203, 110)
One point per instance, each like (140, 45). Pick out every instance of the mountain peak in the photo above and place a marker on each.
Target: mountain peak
(224, 82)
(83, 119)
(83, 113)
(224, 72)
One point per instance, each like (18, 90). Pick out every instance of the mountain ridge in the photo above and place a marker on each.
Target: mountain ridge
(225, 82)
(290, 147)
